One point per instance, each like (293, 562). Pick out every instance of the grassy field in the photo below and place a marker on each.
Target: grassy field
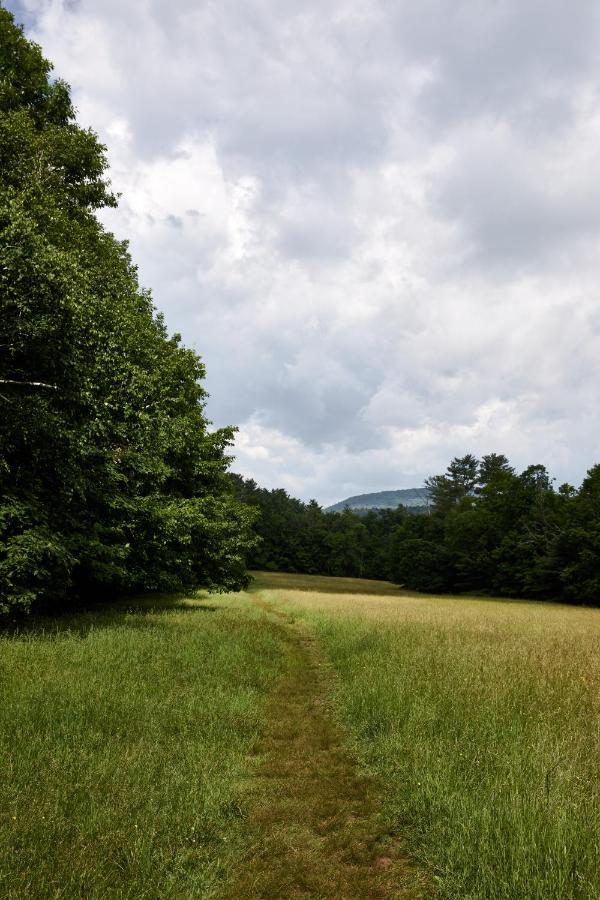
(123, 740)
(481, 718)
(312, 734)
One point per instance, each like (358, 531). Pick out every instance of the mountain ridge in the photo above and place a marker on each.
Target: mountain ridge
(411, 498)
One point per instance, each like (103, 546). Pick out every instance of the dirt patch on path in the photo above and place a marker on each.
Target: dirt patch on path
(316, 818)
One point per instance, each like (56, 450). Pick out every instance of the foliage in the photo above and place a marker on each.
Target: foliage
(109, 476)
(514, 534)
(577, 549)
(301, 537)
(490, 530)
(459, 482)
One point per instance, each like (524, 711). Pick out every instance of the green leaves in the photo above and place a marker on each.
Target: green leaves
(108, 473)
(512, 534)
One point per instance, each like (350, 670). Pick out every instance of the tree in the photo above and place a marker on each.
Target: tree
(424, 566)
(109, 475)
(492, 531)
(459, 481)
(492, 467)
(579, 544)
(473, 528)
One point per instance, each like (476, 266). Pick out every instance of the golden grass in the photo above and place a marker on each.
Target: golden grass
(482, 718)
(321, 584)
(384, 601)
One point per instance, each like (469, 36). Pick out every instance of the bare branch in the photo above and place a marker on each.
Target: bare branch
(34, 384)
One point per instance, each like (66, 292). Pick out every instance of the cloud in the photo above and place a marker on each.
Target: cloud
(378, 223)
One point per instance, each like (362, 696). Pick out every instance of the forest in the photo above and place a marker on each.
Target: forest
(490, 530)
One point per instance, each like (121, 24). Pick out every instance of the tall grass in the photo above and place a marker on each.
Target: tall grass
(481, 718)
(123, 740)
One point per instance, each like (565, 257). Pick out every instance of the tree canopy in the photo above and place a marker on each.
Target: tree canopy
(109, 474)
(490, 531)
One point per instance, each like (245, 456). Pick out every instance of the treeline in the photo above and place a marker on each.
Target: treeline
(489, 530)
(109, 475)
(300, 537)
(495, 530)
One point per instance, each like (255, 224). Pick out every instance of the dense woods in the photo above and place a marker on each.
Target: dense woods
(109, 475)
(489, 530)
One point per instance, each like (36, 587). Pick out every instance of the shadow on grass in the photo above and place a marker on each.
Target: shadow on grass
(323, 584)
(134, 612)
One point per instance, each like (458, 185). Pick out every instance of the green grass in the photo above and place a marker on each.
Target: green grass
(124, 739)
(481, 719)
(128, 735)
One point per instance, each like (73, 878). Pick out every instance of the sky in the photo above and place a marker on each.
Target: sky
(378, 221)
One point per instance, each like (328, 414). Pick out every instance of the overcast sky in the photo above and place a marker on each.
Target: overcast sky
(378, 221)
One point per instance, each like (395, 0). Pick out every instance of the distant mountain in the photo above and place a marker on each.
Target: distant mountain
(412, 498)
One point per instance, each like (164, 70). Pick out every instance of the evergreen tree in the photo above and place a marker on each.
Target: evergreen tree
(458, 482)
(492, 531)
(578, 546)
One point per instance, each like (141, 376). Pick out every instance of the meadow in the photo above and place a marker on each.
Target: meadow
(236, 745)
(481, 720)
(124, 736)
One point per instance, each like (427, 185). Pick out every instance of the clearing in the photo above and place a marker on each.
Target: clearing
(314, 737)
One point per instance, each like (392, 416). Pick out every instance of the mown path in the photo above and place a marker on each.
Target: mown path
(315, 818)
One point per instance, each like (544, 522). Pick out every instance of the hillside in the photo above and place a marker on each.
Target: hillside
(412, 498)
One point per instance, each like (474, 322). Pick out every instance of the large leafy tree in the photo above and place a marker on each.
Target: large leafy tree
(109, 474)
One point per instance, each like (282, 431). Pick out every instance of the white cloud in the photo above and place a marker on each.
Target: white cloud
(378, 223)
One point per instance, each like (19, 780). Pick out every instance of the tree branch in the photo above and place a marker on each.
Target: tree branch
(34, 384)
